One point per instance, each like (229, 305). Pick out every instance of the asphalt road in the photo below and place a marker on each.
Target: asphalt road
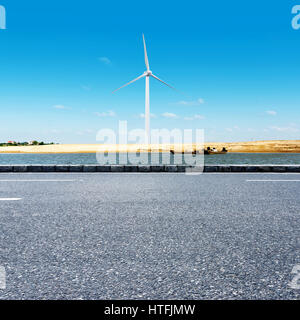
(149, 236)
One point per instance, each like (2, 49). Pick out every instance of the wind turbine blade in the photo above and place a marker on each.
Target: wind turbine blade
(163, 82)
(125, 85)
(146, 56)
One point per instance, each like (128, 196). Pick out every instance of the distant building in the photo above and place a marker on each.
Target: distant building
(11, 142)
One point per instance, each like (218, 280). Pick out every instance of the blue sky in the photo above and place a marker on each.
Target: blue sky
(237, 64)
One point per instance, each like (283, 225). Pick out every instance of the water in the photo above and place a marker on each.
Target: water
(90, 158)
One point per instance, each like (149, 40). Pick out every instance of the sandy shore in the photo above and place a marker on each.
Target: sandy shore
(280, 146)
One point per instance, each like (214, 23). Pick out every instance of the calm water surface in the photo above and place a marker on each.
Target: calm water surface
(90, 158)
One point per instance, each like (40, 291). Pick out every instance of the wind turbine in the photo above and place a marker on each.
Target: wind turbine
(147, 74)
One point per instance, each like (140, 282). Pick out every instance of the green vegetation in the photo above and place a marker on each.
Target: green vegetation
(18, 144)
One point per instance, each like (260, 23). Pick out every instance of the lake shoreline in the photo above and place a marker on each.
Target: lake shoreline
(95, 152)
(270, 146)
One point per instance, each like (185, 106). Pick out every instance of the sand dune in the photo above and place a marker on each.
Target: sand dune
(280, 146)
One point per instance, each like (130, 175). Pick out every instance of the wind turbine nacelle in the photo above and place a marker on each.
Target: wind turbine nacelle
(148, 73)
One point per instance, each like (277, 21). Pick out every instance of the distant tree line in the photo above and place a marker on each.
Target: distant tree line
(31, 143)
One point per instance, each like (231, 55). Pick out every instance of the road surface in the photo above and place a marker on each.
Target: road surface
(149, 236)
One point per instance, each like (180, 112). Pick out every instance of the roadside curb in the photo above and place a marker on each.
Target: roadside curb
(148, 168)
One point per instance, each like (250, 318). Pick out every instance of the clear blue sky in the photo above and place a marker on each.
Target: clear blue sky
(237, 63)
